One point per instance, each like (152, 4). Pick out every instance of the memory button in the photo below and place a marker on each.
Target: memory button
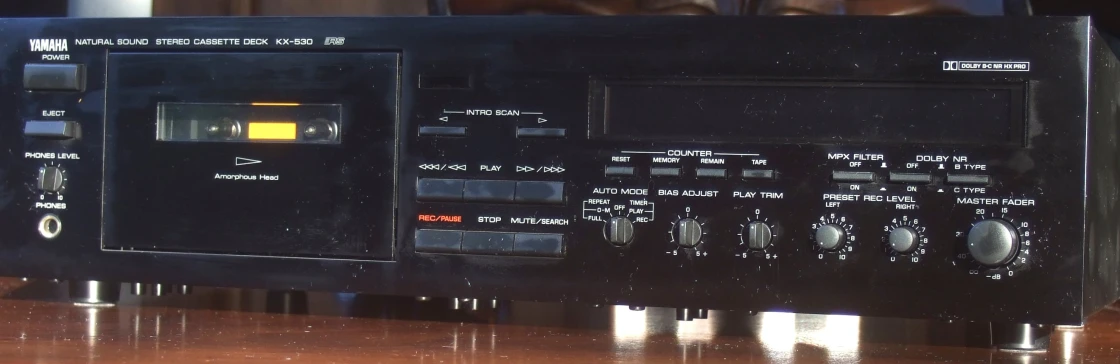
(665, 172)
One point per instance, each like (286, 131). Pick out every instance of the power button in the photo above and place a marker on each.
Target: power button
(53, 77)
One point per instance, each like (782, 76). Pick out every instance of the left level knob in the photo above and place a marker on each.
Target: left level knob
(51, 179)
(619, 230)
(830, 237)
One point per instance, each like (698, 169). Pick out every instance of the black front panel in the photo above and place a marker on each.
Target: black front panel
(659, 163)
(838, 111)
(248, 192)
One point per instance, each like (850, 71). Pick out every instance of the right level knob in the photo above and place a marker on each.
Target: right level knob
(903, 239)
(993, 242)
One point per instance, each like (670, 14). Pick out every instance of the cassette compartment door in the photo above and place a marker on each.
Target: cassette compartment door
(275, 154)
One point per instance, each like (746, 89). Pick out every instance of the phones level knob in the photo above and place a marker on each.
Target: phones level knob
(830, 237)
(51, 179)
(993, 242)
(619, 230)
(688, 231)
(903, 239)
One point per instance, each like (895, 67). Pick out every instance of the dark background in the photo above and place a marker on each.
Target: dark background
(1107, 18)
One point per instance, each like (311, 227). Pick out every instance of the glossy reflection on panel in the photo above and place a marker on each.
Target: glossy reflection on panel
(238, 326)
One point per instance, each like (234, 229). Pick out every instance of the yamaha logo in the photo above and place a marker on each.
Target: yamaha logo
(48, 45)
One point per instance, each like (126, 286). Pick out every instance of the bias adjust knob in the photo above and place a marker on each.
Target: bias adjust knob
(903, 239)
(51, 179)
(758, 235)
(619, 230)
(993, 242)
(688, 232)
(830, 237)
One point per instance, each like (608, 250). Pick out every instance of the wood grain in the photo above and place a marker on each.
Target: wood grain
(243, 326)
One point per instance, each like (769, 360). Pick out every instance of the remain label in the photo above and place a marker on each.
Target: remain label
(985, 66)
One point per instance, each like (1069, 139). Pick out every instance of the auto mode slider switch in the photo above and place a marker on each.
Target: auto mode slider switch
(54, 77)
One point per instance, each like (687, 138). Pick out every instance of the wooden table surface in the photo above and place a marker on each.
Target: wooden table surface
(37, 325)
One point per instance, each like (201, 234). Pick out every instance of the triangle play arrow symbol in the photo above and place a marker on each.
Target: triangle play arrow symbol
(238, 161)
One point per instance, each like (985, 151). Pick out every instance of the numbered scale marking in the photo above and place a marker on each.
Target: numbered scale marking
(687, 234)
(757, 237)
(1019, 260)
(905, 240)
(833, 237)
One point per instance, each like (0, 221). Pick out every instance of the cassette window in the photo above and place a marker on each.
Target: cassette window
(257, 122)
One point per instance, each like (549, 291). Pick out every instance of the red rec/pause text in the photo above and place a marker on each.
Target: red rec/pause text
(441, 218)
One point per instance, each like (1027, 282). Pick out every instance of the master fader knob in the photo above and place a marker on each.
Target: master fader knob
(993, 242)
